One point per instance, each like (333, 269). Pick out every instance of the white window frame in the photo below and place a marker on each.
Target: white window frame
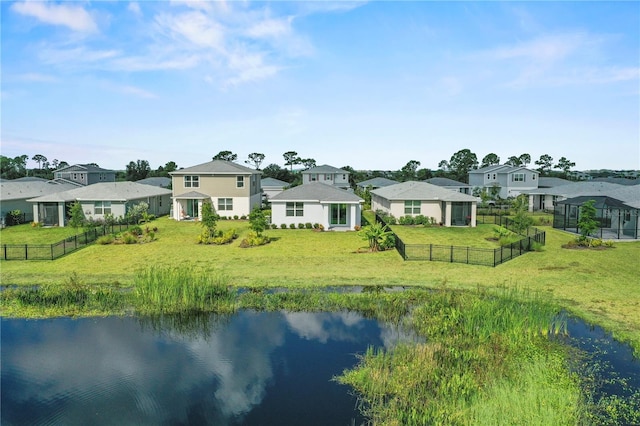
(225, 204)
(191, 181)
(518, 177)
(239, 181)
(102, 207)
(411, 206)
(294, 209)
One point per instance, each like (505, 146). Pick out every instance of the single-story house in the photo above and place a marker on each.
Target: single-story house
(617, 213)
(98, 200)
(450, 184)
(15, 193)
(376, 182)
(412, 198)
(547, 198)
(272, 187)
(331, 207)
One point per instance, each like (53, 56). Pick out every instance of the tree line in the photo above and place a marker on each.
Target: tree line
(457, 167)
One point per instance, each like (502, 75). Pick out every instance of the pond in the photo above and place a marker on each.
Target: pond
(250, 369)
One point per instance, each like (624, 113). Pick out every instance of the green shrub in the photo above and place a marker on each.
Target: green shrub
(225, 237)
(421, 220)
(292, 226)
(283, 226)
(509, 239)
(253, 240)
(105, 239)
(316, 226)
(609, 243)
(136, 230)
(235, 217)
(274, 226)
(128, 238)
(536, 246)
(308, 225)
(406, 220)
(301, 226)
(243, 217)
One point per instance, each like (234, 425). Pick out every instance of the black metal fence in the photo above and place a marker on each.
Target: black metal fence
(473, 255)
(56, 250)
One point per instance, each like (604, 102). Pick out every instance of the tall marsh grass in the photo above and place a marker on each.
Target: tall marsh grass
(478, 346)
(181, 289)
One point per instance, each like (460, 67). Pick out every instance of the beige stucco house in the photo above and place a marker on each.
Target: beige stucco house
(233, 190)
(412, 198)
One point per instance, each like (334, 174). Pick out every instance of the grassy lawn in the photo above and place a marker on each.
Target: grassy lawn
(459, 236)
(26, 234)
(599, 285)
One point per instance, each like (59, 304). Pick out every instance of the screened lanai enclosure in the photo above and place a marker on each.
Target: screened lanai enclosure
(616, 220)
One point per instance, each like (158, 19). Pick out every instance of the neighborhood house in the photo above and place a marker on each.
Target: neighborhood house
(331, 207)
(233, 190)
(450, 208)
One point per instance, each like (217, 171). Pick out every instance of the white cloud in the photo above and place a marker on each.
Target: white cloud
(270, 28)
(134, 7)
(136, 91)
(193, 27)
(38, 78)
(72, 17)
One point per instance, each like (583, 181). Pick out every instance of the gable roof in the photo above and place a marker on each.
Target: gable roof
(618, 180)
(551, 182)
(443, 181)
(317, 191)
(502, 168)
(217, 167)
(25, 189)
(160, 181)
(577, 189)
(423, 191)
(325, 168)
(192, 195)
(377, 182)
(105, 191)
(268, 182)
(86, 167)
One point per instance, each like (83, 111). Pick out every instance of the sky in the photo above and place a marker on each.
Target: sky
(372, 85)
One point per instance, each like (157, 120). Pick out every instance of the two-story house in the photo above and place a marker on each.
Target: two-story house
(504, 180)
(233, 190)
(328, 175)
(84, 174)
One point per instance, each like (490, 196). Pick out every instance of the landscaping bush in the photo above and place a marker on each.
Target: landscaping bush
(301, 226)
(316, 225)
(253, 240)
(274, 226)
(283, 226)
(406, 220)
(136, 230)
(129, 238)
(105, 239)
(235, 217)
(292, 226)
(421, 220)
(308, 225)
(243, 217)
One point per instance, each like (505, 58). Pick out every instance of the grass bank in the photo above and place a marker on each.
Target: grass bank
(598, 285)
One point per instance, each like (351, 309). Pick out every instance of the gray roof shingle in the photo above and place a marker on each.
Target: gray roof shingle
(105, 191)
(413, 190)
(377, 182)
(22, 190)
(317, 191)
(325, 168)
(217, 167)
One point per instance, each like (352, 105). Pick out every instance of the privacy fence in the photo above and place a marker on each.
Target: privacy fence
(56, 250)
(473, 255)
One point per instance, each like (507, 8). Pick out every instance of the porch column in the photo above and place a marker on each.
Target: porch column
(447, 214)
(531, 203)
(61, 216)
(474, 210)
(36, 217)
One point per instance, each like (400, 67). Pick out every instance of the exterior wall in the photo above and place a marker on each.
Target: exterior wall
(83, 177)
(271, 191)
(379, 203)
(22, 205)
(314, 212)
(335, 179)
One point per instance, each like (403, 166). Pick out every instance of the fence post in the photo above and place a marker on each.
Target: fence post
(75, 241)
(467, 255)
(51, 251)
(5, 252)
(26, 252)
(430, 252)
(451, 254)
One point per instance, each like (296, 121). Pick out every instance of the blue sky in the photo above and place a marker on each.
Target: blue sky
(372, 85)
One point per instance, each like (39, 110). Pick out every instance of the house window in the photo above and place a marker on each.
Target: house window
(239, 181)
(328, 177)
(191, 181)
(518, 177)
(102, 207)
(338, 214)
(533, 177)
(295, 209)
(412, 207)
(225, 203)
(75, 176)
(494, 176)
(313, 177)
(488, 176)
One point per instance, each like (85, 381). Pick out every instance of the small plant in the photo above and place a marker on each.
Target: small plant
(128, 238)
(274, 226)
(292, 226)
(308, 225)
(283, 226)
(253, 240)
(105, 239)
(301, 226)
(357, 228)
(316, 225)
(243, 217)
(235, 217)
(136, 230)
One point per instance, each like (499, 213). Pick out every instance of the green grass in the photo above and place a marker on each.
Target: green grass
(599, 285)
(459, 236)
(26, 234)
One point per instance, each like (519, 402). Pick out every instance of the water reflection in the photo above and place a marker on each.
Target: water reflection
(249, 368)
